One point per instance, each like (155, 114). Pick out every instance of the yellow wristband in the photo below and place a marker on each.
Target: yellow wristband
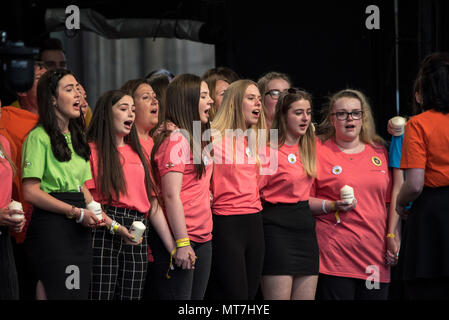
(332, 205)
(184, 242)
(391, 235)
(170, 267)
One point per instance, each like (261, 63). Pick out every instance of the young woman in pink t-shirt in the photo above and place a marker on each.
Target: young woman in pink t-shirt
(238, 245)
(147, 113)
(291, 248)
(183, 168)
(351, 236)
(122, 184)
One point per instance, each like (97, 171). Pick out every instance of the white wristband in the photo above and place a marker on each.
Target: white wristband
(81, 216)
(323, 206)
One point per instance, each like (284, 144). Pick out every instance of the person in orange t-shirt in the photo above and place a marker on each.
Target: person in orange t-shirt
(291, 248)
(351, 236)
(425, 159)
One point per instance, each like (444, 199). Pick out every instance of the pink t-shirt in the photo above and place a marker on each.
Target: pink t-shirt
(288, 182)
(147, 146)
(234, 182)
(354, 248)
(134, 174)
(6, 175)
(174, 155)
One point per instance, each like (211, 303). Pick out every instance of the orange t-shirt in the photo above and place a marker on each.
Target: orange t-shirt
(15, 124)
(426, 146)
(356, 246)
(174, 155)
(134, 175)
(234, 184)
(288, 183)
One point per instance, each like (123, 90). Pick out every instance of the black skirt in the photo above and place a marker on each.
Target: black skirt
(425, 248)
(59, 251)
(291, 247)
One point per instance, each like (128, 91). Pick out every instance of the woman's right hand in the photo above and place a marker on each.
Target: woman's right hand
(90, 220)
(185, 258)
(128, 237)
(391, 129)
(6, 219)
(341, 206)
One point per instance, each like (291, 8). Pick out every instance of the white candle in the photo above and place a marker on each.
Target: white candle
(347, 194)
(15, 205)
(137, 229)
(398, 124)
(95, 207)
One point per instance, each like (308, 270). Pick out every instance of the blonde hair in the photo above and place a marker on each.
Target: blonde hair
(306, 144)
(230, 115)
(368, 135)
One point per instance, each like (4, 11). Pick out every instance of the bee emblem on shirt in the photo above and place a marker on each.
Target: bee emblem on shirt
(376, 161)
(1, 155)
(169, 165)
(337, 170)
(291, 158)
(27, 164)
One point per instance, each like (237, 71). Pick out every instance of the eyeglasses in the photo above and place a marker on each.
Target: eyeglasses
(274, 93)
(344, 115)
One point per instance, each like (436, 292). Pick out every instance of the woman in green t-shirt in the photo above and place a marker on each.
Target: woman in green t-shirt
(55, 166)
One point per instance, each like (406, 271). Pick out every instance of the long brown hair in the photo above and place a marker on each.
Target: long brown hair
(306, 142)
(182, 103)
(111, 182)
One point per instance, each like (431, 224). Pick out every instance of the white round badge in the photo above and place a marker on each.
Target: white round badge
(337, 170)
(205, 160)
(248, 152)
(291, 158)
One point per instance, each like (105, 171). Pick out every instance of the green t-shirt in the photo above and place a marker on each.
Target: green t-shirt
(39, 162)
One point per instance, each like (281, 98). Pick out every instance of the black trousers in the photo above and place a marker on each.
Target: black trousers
(183, 284)
(237, 257)
(341, 288)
